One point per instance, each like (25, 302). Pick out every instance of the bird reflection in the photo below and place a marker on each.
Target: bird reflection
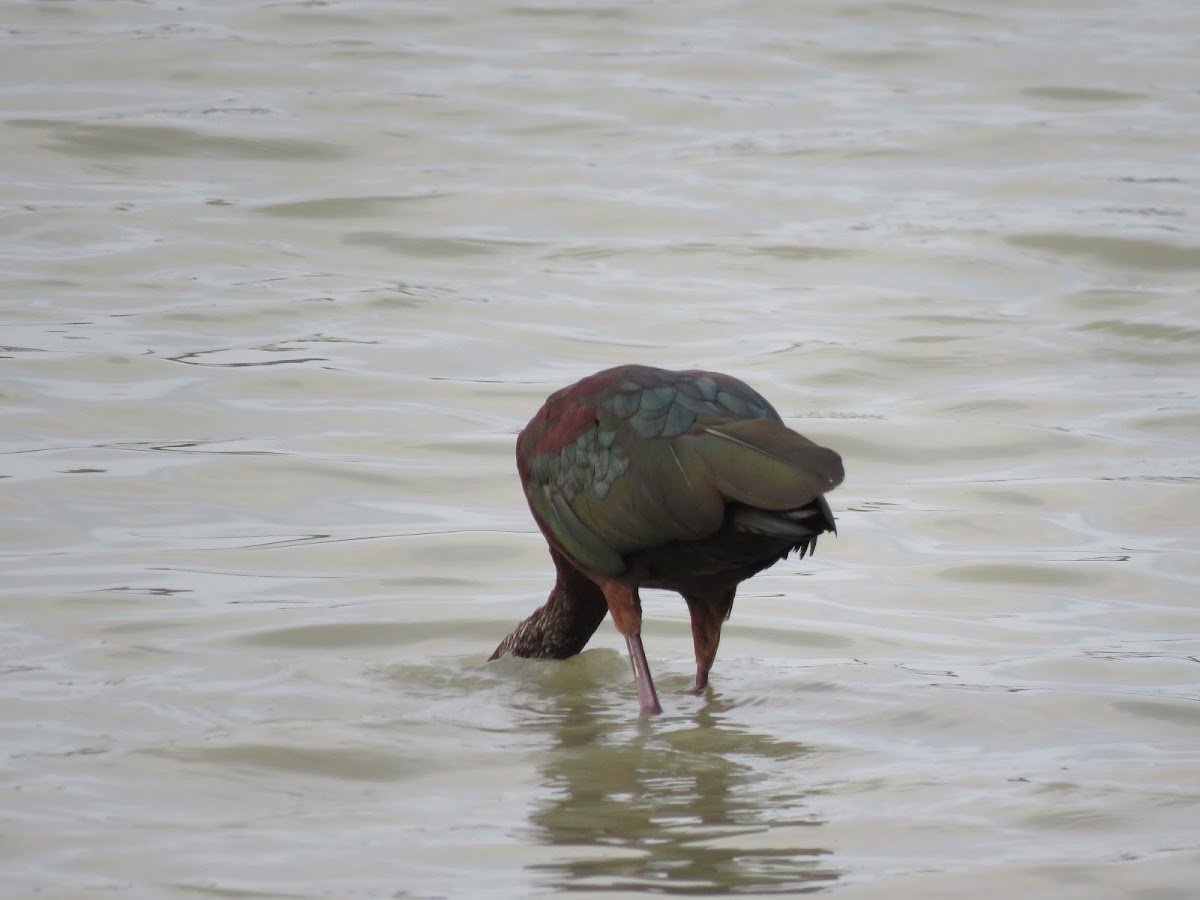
(698, 807)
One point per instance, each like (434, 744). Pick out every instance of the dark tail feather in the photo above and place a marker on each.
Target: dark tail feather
(801, 525)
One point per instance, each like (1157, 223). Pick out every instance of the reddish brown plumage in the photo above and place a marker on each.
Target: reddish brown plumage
(565, 423)
(687, 481)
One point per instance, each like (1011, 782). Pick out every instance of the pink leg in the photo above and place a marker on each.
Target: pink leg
(626, 609)
(708, 615)
(647, 697)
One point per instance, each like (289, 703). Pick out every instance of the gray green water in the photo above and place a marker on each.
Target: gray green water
(281, 281)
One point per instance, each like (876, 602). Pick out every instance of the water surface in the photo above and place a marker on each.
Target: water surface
(283, 280)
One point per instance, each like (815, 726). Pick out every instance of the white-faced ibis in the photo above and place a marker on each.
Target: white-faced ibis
(687, 481)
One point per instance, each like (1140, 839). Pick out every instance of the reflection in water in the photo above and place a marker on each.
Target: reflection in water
(695, 809)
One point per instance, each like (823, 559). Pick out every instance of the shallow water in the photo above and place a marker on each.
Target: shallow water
(282, 281)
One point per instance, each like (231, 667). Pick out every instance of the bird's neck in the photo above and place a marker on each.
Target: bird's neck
(561, 626)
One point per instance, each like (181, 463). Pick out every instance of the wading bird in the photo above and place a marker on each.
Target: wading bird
(643, 477)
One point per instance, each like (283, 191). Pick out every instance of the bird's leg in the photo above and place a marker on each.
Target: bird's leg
(709, 613)
(564, 623)
(626, 609)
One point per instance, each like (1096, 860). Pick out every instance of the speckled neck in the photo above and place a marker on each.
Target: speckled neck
(562, 626)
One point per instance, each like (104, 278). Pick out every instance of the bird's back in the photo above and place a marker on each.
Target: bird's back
(636, 468)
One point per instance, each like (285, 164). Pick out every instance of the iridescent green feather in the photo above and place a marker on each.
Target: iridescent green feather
(667, 452)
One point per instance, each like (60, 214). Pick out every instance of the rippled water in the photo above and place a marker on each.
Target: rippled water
(283, 280)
